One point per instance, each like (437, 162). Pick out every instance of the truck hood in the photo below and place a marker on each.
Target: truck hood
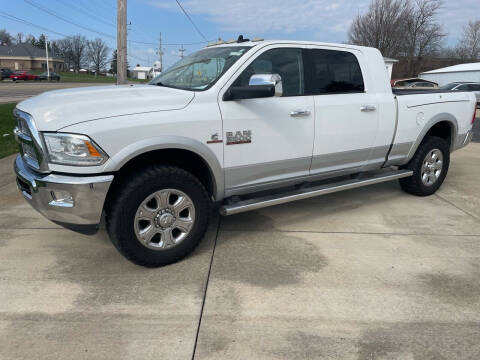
(57, 109)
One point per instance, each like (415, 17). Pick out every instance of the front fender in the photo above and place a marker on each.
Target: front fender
(171, 142)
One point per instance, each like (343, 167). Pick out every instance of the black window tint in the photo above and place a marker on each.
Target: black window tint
(287, 62)
(333, 72)
(474, 87)
(462, 87)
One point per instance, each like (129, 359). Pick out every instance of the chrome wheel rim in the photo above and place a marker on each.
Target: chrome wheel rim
(164, 219)
(432, 167)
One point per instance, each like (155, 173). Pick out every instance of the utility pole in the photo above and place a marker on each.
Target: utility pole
(160, 53)
(46, 50)
(181, 51)
(121, 42)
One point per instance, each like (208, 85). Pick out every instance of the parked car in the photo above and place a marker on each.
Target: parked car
(465, 86)
(53, 76)
(415, 83)
(5, 73)
(258, 124)
(23, 75)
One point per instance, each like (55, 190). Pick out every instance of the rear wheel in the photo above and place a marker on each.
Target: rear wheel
(429, 165)
(159, 217)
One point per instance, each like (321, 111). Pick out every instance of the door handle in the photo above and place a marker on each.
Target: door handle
(298, 113)
(367, 108)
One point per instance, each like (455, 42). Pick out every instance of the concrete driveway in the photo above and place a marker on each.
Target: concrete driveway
(371, 273)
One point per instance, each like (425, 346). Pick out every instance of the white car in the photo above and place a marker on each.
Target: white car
(235, 127)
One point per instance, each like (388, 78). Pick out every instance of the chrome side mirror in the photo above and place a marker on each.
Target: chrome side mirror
(267, 79)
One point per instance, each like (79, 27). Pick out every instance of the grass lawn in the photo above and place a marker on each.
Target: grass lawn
(69, 76)
(8, 145)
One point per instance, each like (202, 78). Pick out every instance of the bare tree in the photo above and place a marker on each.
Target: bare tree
(400, 28)
(381, 26)
(469, 44)
(63, 49)
(423, 35)
(5, 37)
(78, 47)
(18, 38)
(97, 54)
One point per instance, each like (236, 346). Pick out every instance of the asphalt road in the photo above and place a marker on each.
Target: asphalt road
(476, 128)
(371, 273)
(11, 91)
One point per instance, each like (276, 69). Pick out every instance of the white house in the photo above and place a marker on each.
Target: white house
(389, 64)
(457, 73)
(142, 72)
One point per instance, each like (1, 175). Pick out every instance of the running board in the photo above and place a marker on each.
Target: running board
(305, 193)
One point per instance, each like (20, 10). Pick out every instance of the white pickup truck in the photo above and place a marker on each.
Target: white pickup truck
(239, 125)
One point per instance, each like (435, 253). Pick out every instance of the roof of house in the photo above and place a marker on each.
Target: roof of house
(387, 59)
(456, 68)
(23, 49)
(142, 68)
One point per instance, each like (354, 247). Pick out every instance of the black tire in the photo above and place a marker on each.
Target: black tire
(121, 214)
(414, 184)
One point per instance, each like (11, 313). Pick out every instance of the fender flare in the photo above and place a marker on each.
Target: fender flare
(172, 142)
(449, 118)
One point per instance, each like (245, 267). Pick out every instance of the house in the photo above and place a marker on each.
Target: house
(28, 57)
(389, 64)
(142, 72)
(457, 73)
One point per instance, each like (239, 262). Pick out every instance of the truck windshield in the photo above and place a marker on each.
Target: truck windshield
(201, 69)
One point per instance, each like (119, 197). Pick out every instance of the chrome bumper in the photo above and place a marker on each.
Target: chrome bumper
(462, 140)
(87, 195)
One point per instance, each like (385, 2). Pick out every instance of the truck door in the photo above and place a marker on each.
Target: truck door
(267, 140)
(346, 116)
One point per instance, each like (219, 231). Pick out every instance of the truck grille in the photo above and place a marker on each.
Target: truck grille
(26, 134)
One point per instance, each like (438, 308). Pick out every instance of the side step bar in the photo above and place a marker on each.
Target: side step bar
(304, 193)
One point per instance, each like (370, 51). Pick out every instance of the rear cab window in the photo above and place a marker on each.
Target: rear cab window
(333, 72)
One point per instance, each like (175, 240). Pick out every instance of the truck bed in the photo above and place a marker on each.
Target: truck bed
(401, 92)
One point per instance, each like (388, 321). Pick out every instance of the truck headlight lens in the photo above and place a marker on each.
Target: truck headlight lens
(73, 149)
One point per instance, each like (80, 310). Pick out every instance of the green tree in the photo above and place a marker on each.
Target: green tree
(113, 65)
(5, 37)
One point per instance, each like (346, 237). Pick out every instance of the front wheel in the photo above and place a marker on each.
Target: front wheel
(160, 216)
(429, 165)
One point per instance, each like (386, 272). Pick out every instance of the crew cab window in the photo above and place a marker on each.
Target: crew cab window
(332, 72)
(287, 62)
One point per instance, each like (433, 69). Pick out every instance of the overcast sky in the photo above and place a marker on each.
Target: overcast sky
(321, 20)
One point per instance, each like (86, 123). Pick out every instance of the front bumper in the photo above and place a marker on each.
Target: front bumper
(87, 195)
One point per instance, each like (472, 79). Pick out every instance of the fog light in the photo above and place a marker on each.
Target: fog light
(61, 198)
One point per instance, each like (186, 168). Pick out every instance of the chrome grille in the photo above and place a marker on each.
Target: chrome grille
(28, 138)
(29, 151)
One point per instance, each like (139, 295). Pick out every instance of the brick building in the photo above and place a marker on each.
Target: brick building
(28, 57)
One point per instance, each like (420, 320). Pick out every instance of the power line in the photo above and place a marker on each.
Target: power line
(87, 12)
(99, 32)
(14, 18)
(189, 18)
(66, 20)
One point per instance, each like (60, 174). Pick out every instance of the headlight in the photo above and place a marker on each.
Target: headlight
(73, 149)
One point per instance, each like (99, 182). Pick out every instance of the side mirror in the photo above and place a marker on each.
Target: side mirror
(268, 79)
(259, 86)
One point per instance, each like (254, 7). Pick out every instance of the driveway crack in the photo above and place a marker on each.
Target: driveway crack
(205, 290)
